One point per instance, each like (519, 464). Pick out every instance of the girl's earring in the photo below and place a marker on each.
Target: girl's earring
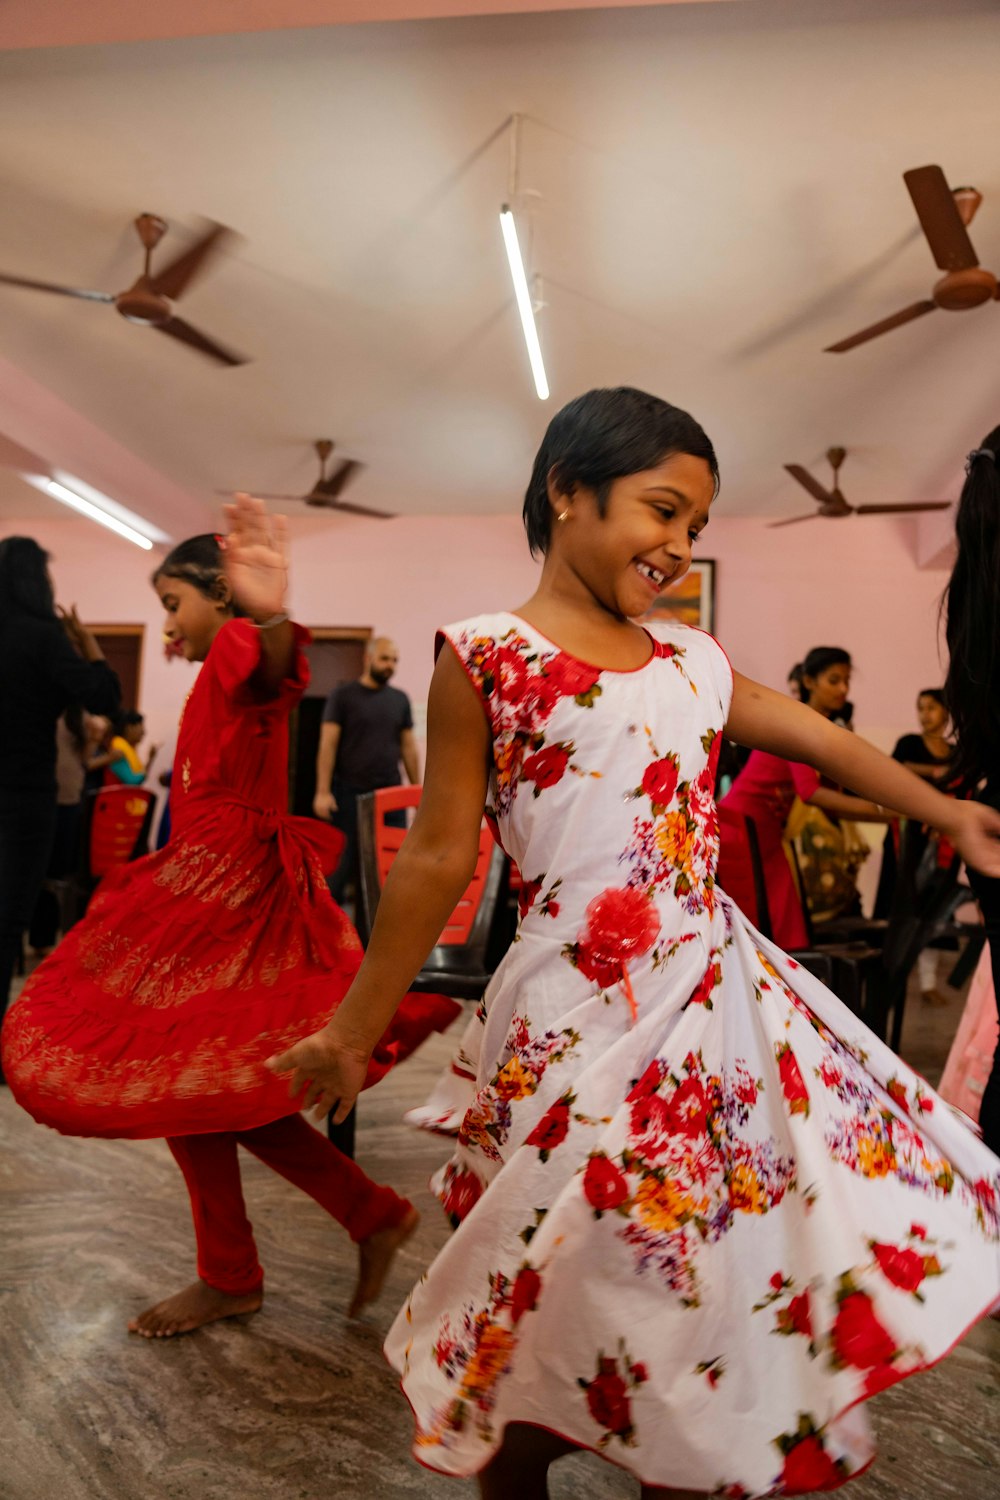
(563, 515)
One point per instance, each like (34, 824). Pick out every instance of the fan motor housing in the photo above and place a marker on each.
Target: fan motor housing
(959, 290)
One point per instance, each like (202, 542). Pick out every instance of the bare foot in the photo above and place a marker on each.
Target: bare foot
(375, 1256)
(197, 1305)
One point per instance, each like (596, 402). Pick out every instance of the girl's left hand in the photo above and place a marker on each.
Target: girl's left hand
(329, 1069)
(256, 557)
(974, 829)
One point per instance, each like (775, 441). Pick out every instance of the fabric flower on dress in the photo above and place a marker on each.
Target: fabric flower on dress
(620, 925)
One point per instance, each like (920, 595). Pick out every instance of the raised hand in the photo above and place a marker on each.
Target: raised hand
(975, 831)
(256, 557)
(327, 1070)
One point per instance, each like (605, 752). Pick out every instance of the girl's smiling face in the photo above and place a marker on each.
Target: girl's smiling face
(643, 542)
(192, 619)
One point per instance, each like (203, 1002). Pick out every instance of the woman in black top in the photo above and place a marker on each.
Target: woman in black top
(927, 754)
(972, 689)
(46, 663)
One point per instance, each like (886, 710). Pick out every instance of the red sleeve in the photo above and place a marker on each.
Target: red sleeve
(235, 656)
(805, 779)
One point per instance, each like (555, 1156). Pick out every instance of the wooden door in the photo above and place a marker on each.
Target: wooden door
(122, 645)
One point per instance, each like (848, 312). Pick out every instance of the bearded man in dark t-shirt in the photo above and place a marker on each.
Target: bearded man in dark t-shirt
(367, 730)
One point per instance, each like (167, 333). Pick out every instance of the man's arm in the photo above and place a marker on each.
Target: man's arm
(408, 755)
(324, 802)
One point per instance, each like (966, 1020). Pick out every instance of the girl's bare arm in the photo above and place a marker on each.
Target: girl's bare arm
(428, 876)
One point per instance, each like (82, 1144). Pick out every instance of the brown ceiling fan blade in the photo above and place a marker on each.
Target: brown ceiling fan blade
(915, 310)
(794, 520)
(334, 483)
(185, 334)
(899, 510)
(175, 278)
(808, 482)
(355, 510)
(940, 219)
(62, 291)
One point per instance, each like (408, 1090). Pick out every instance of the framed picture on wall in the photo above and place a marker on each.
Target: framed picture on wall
(692, 600)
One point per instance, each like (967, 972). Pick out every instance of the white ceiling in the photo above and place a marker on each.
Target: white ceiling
(720, 197)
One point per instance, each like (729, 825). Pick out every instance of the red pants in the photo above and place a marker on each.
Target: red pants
(227, 1254)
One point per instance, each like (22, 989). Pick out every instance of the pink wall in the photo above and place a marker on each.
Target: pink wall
(852, 583)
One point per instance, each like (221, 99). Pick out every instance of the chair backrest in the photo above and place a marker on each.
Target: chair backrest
(378, 844)
(925, 895)
(741, 868)
(118, 827)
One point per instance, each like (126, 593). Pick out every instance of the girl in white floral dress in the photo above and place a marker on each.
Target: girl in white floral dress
(702, 1212)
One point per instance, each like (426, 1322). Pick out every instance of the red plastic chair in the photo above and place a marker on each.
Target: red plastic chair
(118, 827)
(461, 964)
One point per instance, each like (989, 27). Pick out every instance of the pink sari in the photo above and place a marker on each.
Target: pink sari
(971, 1056)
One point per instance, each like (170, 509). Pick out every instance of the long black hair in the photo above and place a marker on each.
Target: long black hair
(972, 618)
(601, 437)
(198, 561)
(25, 586)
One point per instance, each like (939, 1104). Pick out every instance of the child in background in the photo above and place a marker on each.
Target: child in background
(703, 1212)
(125, 765)
(155, 1014)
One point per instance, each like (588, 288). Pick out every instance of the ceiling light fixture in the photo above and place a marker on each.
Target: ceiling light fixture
(518, 274)
(78, 502)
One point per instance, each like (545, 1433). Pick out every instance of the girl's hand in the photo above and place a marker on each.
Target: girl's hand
(79, 635)
(256, 557)
(330, 1069)
(974, 829)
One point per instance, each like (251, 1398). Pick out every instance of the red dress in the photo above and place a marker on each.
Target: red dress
(155, 1014)
(765, 790)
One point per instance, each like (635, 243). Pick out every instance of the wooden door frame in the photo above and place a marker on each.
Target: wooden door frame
(138, 630)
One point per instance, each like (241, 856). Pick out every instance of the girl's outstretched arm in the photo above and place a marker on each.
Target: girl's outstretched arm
(427, 879)
(766, 720)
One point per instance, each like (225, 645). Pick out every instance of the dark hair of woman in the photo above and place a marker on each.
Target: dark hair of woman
(73, 719)
(603, 436)
(820, 659)
(937, 694)
(25, 586)
(197, 561)
(972, 618)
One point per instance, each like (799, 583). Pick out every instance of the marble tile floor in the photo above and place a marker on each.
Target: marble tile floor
(298, 1403)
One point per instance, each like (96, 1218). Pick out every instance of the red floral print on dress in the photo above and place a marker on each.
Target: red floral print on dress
(857, 1336)
(547, 767)
(808, 1467)
(608, 1399)
(792, 1083)
(605, 1185)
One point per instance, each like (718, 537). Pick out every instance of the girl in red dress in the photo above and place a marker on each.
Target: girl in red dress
(155, 1014)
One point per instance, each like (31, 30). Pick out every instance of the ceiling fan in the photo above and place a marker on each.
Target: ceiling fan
(832, 502)
(151, 297)
(326, 492)
(944, 213)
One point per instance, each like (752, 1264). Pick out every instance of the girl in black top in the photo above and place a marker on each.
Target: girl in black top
(47, 662)
(972, 689)
(927, 754)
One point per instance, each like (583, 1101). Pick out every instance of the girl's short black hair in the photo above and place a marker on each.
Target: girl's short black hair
(198, 561)
(25, 586)
(601, 437)
(130, 716)
(821, 659)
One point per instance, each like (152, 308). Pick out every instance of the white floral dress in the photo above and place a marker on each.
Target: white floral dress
(703, 1212)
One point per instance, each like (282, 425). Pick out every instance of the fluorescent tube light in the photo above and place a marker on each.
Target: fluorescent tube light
(524, 306)
(66, 496)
